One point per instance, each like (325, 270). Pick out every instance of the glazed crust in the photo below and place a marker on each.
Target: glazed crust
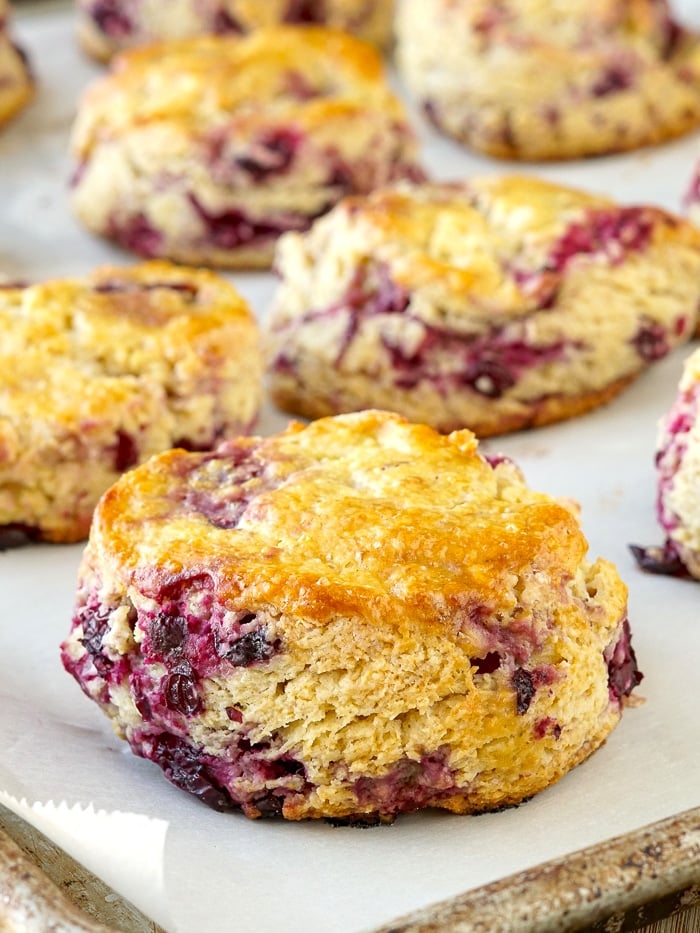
(205, 150)
(535, 80)
(143, 22)
(101, 373)
(350, 620)
(497, 304)
(16, 81)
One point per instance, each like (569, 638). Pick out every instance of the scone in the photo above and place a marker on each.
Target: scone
(98, 374)
(350, 620)
(205, 150)
(691, 200)
(678, 482)
(496, 304)
(16, 81)
(527, 79)
(109, 26)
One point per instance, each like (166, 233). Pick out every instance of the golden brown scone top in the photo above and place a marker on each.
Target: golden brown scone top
(483, 238)
(362, 514)
(301, 76)
(71, 347)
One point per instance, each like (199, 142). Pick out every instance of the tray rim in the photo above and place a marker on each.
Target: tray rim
(620, 878)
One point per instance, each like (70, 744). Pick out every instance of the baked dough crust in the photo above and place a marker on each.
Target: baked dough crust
(678, 472)
(130, 23)
(205, 150)
(496, 304)
(98, 374)
(538, 80)
(352, 619)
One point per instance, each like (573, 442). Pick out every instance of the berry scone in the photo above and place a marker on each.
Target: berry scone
(16, 80)
(205, 150)
(106, 27)
(98, 374)
(678, 482)
(527, 79)
(496, 304)
(691, 200)
(351, 620)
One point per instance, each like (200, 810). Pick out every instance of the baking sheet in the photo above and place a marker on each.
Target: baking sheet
(192, 869)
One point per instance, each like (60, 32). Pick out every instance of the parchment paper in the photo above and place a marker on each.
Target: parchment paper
(194, 870)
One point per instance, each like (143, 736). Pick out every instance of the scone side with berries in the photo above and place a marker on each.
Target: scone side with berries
(206, 150)
(106, 27)
(523, 79)
(352, 620)
(497, 303)
(98, 374)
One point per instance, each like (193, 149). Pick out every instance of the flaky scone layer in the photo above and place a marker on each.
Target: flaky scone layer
(98, 374)
(532, 79)
(496, 304)
(205, 150)
(105, 29)
(352, 619)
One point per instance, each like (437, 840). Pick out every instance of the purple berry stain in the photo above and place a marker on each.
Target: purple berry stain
(488, 664)
(650, 341)
(180, 690)
(623, 673)
(167, 634)
(613, 232)
(614, 79)
(488, 377)
(183, 766)
(659, 560)
(95, 623)
(250, 648)
(109, 17)
(272, 155)
(126, 452)
(524, 685)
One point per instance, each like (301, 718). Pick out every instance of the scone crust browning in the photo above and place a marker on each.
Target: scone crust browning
(100, 373)
(495, 304)
(205, 150)
(429, 632)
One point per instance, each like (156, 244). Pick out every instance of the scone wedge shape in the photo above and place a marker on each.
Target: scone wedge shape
(351, 620)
